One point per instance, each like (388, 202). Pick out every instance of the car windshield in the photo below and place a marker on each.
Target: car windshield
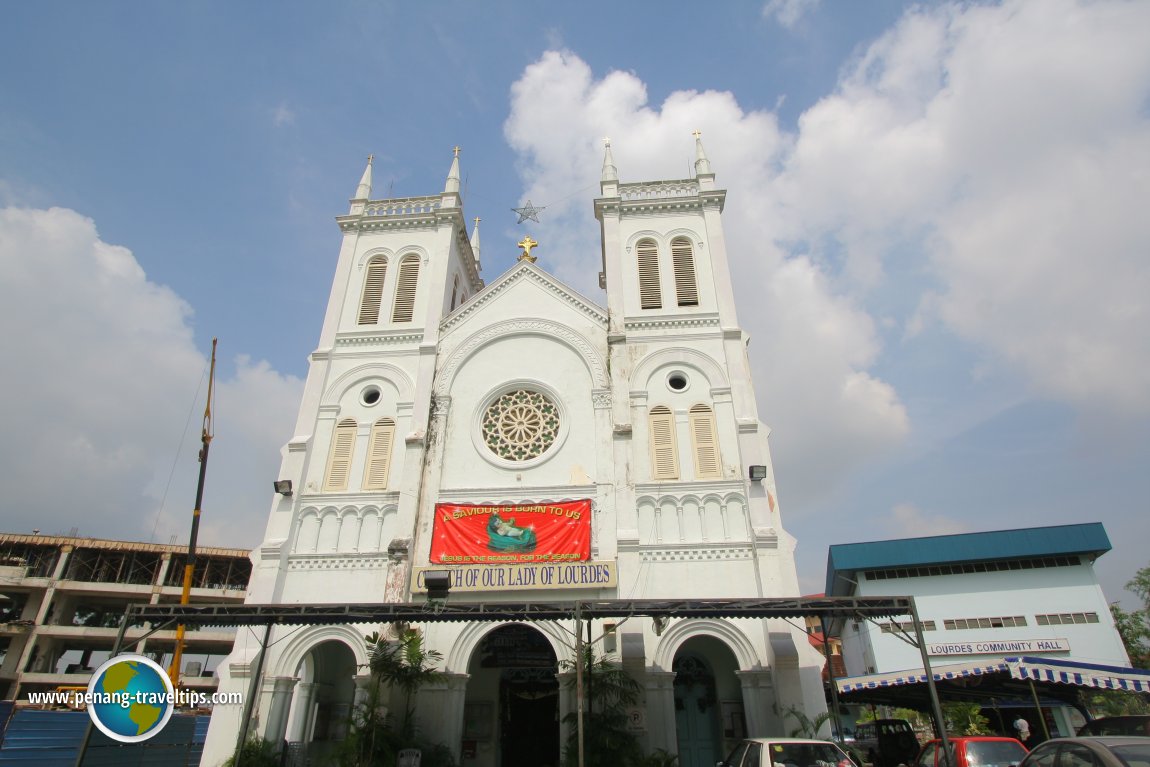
(805, 755)
(1133, 755)
(994, 753)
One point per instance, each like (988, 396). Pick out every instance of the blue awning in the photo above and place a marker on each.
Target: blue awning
(1021, 667)
(918, 675)
(1081, 674)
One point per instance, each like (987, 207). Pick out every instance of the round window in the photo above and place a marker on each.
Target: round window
(370, 395)
(677, 381)
(520, 425)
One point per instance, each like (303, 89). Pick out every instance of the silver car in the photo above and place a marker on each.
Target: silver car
(786, 752)
(1117, 751)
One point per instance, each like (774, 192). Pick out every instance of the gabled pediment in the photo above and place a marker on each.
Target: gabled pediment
(524, 272)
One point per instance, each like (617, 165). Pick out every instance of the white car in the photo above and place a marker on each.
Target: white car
(786, 752)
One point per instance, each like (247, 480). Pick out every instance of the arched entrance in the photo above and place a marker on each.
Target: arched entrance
(706, 694)
(321, 705)
(511, 714)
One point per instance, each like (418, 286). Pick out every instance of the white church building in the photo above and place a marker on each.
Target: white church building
(540, 447)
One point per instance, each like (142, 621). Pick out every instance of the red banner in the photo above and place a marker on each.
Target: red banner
(549, 532)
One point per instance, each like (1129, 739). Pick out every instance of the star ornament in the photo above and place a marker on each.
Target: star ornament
(528, 211)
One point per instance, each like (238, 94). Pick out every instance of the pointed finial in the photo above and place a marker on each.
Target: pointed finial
(610, 173)
(363, 191)
(475, 238)
(527, 244)
(453, 175)
(702, 164)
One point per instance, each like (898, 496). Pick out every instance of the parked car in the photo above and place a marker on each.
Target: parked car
(887, 742)
(973, 751)
(1129, 751)
(1134, 724)
(786, 752)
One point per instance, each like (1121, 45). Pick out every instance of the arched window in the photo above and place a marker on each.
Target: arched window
(664, 454)
(683, 259)
(339, 458)
(379, 455)
(648, 257)
(372, 291)
(455, 293)
(405, 289)
(705, 441)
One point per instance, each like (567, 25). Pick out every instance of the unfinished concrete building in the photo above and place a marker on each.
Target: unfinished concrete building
(62, 598)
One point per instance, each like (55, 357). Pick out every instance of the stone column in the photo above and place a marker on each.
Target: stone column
(281, 696)
(758, 701)
(441, 710)
(301, 719)
(566, 703)
(661, 730)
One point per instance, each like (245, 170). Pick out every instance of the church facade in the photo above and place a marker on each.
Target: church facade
(535, 445)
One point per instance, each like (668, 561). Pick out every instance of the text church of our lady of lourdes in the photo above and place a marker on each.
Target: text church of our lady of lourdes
(614, 445)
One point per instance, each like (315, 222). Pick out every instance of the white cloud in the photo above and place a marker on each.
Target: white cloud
(103, 370)
(1007, 146)
(788, 12)
(908, 521)
(283, 115)
(811, 347)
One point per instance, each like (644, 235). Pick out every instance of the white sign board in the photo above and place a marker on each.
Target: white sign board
(520, 577)
(999, 647)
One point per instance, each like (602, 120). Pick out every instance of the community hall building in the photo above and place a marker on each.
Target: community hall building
(982, 598)
(538, 445)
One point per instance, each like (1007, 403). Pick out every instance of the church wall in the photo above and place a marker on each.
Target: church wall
(505, 364)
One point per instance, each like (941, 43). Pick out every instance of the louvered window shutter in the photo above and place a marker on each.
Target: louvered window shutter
(372, 291)
(405, 289)
(379, 455)
(664, 455)
(648, 255)
(683, 259)
(339, 460)
(706, 443)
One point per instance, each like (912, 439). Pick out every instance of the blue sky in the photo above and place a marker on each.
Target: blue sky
(935, 217)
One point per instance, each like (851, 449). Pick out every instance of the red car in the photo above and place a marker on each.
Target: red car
(973, 751)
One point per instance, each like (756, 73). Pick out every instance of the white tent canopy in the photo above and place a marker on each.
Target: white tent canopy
(1021, 667)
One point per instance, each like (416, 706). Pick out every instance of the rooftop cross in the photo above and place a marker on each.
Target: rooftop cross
(527, 244)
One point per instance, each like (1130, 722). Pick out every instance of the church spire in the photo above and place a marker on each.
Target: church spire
(702, 164)
(453, 175)
(610, 173)
(609, 178)
(475, 240)
(363, 191)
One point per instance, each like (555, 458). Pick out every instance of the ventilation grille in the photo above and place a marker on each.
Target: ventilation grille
(372, 292)
(705, 442)
(649, 295)
(405, 290)
(664, 456)
(379, 455)
(683, 259)
(339, 461)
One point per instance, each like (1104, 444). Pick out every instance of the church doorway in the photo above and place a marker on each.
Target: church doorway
(708, 698)
(321, 706)
(511, 716)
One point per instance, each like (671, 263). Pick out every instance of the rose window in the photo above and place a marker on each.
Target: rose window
(520, 425)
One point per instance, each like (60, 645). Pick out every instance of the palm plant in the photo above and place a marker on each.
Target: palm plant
(610, 691)
(406, 665)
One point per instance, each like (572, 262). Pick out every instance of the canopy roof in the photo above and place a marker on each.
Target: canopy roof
(993, 678)
(414, 612)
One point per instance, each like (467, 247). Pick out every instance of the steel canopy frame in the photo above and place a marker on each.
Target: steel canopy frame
(832, 612)
(417, 612)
